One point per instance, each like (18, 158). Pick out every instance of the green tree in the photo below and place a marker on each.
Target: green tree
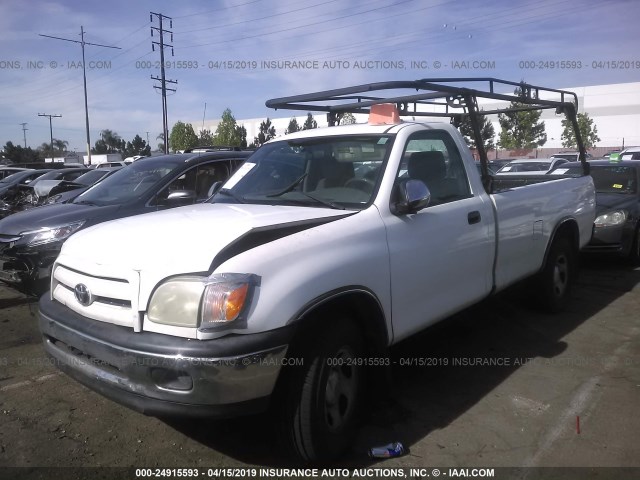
(521, 129)
(205, 138)
(109, 142)
(160, 145)
(487, 132)
(61, 145)
(182, 136)
(228, 133)
(292, 127)
(588, 132)
(348, 119)
(242, 133)
(310, 122)
(45, 150)
(266, 133)
(18, 154)
(137, 146)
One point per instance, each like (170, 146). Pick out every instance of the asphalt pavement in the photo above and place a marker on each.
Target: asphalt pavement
(498, 385)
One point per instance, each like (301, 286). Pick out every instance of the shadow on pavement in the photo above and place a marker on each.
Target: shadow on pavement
(422, 398)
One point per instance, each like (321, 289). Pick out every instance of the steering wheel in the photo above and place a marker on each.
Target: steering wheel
(363, 184)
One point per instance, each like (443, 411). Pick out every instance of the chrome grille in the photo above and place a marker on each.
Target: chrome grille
(112, 300)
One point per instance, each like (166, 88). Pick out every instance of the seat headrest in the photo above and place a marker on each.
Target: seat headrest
(427, 166)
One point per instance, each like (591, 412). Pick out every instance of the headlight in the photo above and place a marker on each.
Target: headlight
(202, 302)
(47, 235)
(610, 219)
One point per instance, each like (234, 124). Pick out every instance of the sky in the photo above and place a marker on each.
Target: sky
(238, 53)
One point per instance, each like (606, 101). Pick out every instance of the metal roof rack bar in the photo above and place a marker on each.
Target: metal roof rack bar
(359, 99)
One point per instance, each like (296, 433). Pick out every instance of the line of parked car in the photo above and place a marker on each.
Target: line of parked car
(617, 226)
(71, 199)
(31, 240)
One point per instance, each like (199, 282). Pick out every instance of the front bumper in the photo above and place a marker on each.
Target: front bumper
(27, 271)
(614, 240)
(162, 375)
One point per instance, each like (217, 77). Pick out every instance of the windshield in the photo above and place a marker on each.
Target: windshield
(567, 156)
(334, 172)
(131, 182)
(607, 179)
(53, 175)
(16, 177)
(91, 177)
(526, 167)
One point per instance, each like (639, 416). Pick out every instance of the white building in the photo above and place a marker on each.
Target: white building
(614, 109)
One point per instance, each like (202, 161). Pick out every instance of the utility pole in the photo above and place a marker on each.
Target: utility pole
(84, 76)
(50, 128)
(147, 138)
(24, 133)
(163, 81)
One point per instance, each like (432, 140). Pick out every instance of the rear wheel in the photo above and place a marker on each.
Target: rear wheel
(557, 277)
(318, 401)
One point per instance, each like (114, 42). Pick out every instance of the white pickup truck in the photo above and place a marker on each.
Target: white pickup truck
(324, 249)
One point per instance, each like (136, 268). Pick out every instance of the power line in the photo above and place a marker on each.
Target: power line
(395, 4)
(163, 81)
(50, 127)
(84, 76)
(219, 9)
(255, 19)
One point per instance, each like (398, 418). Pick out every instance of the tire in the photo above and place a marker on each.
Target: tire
(634, 253)
(557, 276)
(318, 401)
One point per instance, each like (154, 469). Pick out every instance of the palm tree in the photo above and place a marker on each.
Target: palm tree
(112, 140)
(161, 145)
(45, 148)
(60, 145)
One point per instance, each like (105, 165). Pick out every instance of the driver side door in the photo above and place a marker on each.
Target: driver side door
(441, 257)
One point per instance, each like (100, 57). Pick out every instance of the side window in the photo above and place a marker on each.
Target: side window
(195, 183)
(207, 176)
(434, 158)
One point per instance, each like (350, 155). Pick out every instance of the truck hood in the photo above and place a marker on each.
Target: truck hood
(187, 239)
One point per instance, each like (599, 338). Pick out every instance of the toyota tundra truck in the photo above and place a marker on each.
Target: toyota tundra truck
(325, 248)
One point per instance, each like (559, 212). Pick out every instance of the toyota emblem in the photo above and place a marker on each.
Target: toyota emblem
(83, 294)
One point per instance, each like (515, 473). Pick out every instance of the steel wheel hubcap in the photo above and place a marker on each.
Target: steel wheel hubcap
(341, 390)
(560, 275)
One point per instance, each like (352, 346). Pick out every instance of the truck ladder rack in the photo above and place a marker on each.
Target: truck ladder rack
(453, 97)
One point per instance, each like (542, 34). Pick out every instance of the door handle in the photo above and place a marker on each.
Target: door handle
(474, 217)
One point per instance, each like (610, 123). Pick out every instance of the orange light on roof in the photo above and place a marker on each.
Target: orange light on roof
(384, 114)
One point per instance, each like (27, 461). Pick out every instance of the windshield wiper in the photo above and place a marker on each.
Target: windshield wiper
(289, 188)
(323, 202)
(228, 192)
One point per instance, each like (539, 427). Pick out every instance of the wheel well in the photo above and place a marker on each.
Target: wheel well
(360, 306)
(566, 229)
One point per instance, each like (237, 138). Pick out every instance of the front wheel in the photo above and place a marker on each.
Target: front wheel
(319, 400)
(557, 276)
(634, 254)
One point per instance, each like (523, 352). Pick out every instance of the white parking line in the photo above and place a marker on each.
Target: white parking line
(577, 404)
(26, 383)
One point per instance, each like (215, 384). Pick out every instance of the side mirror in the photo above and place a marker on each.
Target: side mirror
(214, 188)
(412, 196)
(180, 197)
